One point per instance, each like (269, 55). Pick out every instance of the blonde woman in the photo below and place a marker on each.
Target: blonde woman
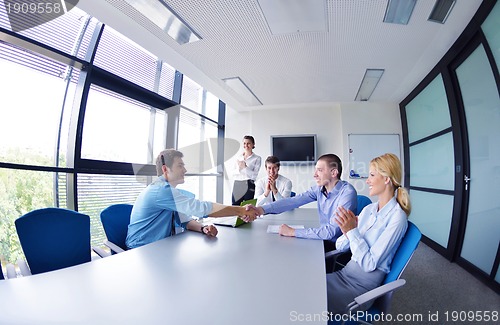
(373, 237)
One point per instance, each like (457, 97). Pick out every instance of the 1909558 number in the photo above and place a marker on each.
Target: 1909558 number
(34, 8)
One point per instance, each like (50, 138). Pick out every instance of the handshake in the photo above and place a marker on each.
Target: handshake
(249, 213)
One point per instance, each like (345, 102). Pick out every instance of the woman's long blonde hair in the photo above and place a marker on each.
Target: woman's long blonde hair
(388, 165)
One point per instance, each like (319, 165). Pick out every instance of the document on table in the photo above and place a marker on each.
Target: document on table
(274, 229)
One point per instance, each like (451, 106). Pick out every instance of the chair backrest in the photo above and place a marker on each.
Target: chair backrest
(115, 220)
(54, 238)
(401, 259)
(362, 202)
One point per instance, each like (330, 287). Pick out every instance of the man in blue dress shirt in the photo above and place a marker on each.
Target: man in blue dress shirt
(161, 205)
(330, 193)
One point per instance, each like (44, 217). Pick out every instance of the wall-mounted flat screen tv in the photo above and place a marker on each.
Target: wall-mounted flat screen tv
(294, 148)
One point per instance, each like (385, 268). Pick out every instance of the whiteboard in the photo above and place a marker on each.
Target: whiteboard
(364, 147)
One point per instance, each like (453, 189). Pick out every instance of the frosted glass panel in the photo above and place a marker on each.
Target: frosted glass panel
(482, 110)
(432, 163)
(492, 32)
(428, 113)
(431, 213)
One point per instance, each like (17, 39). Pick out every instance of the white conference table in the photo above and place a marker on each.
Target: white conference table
(244, 276)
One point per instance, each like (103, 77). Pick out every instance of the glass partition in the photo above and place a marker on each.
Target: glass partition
(432, 163)
(431, 102)
(491, 31)
(432, 213)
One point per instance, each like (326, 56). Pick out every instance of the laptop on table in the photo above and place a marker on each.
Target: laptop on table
(233, 221)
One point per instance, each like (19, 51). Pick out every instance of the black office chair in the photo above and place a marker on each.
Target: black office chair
(54, 238)
(115, 220)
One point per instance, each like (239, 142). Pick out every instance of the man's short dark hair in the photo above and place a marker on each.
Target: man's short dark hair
(333, 161)
(166, 157)
(272, 160)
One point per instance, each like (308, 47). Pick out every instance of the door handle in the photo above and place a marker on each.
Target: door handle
(466, 180)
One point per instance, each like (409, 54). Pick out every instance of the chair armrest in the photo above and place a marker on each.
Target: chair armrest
(115, 248)
(23, 267)
(11, 271)
(101, 252)
(379, 291)
(333, 254)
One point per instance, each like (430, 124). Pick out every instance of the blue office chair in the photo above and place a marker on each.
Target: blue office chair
(362, 202)
(382, 296)
(115, 220)
(343, 258)
(54, 238)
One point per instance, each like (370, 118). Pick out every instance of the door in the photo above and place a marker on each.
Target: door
(481, 114)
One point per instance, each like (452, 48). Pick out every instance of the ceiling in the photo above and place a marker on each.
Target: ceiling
(297, 69)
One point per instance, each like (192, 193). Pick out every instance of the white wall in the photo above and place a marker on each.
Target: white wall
(331, 124)
(368, 118)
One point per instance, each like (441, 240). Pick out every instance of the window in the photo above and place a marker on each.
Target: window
(96, 192)
(124, 122)
(21, 191)
(198, 141)
(30, 123)
(116, 128)
(199, 100)
(61, 33)
(135, 63)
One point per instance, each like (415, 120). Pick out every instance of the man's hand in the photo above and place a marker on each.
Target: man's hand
(346, 220)
(210, 230)
(268, 188)
(285, 230)
(248, 213)
(271, 183)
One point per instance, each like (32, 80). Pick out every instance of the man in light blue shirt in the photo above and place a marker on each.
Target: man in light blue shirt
(161, 205)
(330, 193)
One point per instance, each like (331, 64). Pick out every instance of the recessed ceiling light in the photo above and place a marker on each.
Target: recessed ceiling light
(164, 17)
(441, 11)
(368, 84)
(242, 89)
(399, 11)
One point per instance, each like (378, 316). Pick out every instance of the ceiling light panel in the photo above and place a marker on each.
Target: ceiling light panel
(441, 11)
(295, 16)
(399, 11)
(242, 89)
(370, 81)
(165, 18)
